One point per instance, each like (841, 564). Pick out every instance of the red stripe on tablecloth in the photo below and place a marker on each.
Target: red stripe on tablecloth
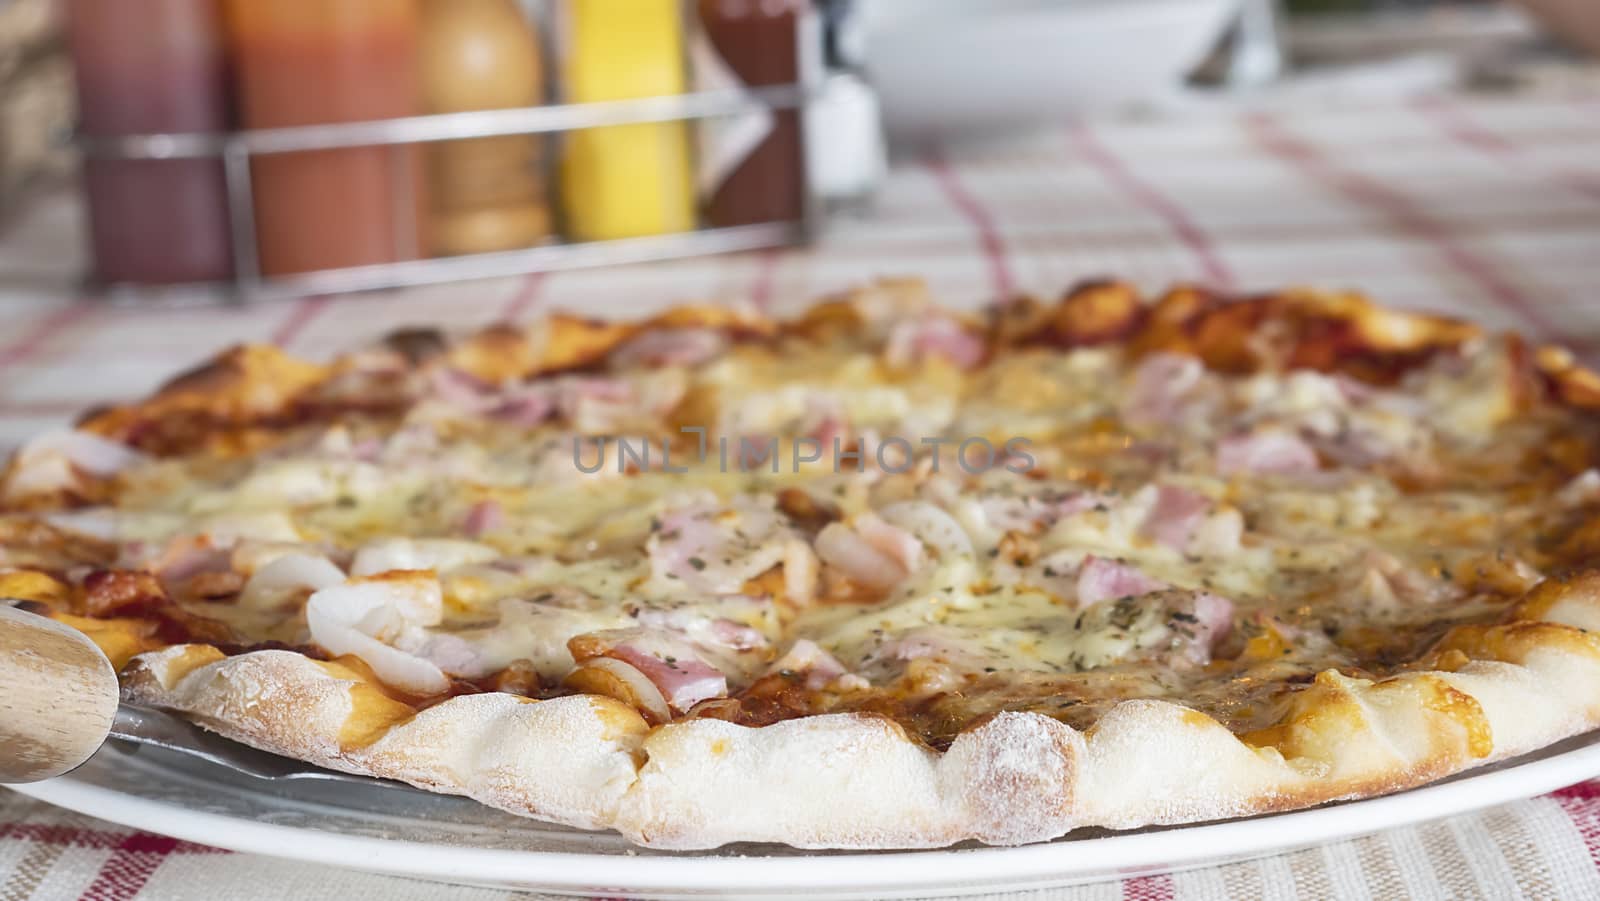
(60, 835)
(527, 297)
(766, 278)
(1148, 888)
(129, 867)
(1183, 227)
(967, 204)
(305, 310)
(1581, 803)
(1583, 791)
(89, 838)
(52, 325)
(1459, 127)
(1400, 210)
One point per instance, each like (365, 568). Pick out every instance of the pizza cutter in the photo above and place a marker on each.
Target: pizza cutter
(59, 702)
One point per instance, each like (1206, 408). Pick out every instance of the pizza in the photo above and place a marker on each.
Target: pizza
(879, 576)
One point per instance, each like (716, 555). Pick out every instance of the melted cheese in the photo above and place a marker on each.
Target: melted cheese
(1332, 568)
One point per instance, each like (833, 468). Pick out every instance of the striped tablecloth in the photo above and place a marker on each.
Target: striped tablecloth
(1487, 208)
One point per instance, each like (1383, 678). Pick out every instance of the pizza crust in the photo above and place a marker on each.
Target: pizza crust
(568, 760)
(860, 782)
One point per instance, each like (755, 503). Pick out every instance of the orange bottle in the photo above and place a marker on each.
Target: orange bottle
(308, 62)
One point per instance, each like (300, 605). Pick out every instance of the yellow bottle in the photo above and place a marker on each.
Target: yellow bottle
(625, 181)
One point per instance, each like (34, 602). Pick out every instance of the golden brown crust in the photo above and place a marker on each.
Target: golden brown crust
(1343, 332)
(241, 386)
(1483, 693)
(1573, 384)
(857, 781)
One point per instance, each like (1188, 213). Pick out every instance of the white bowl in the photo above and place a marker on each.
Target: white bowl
(961, 67)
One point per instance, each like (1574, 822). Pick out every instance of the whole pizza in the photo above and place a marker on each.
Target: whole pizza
(881, 576)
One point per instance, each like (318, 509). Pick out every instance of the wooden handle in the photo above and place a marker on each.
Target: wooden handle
(58, 695)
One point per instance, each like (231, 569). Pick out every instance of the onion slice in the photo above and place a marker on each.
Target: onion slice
(841, 548)
(292, 572)
(616, 679)
(932, 525)
(358, 617)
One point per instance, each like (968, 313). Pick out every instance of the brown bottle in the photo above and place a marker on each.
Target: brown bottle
(150, 67)
(485, 194)
(751, 167)
(308, 62)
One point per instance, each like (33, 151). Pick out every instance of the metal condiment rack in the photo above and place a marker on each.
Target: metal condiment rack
(236, 149)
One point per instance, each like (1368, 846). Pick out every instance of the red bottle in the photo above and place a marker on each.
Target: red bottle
(149, 67)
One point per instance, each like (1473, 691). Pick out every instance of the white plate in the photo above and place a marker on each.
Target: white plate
(451, 839)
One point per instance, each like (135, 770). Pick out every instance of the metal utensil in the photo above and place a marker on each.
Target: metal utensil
(59, 704)
(157, 728)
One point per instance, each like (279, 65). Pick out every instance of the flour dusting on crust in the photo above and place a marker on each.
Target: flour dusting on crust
(855, 781)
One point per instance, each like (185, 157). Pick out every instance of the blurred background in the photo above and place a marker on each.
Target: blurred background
(246, 149)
